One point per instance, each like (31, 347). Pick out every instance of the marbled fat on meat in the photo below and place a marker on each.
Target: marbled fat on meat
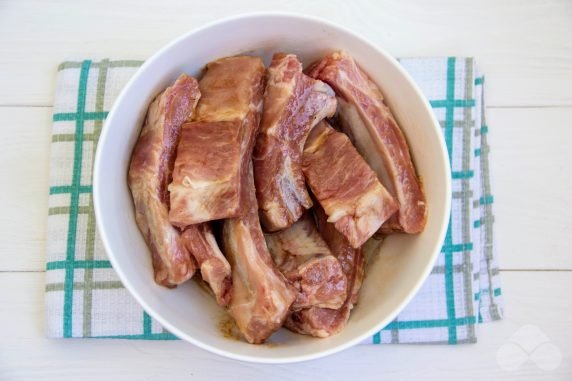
(345, 186)
(206, 177)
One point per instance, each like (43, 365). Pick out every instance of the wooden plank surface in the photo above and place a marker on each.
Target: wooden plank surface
(524, 47)
(531, 165)
(24, 168)
(535, 301)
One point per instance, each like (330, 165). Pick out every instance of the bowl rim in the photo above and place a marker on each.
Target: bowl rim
(217, 350)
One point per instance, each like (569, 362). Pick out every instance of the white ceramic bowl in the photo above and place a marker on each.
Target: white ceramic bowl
(402, 264)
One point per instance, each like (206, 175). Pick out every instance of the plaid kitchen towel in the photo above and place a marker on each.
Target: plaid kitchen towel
(84, 297)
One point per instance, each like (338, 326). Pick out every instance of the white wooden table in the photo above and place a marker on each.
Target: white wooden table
(525, 50)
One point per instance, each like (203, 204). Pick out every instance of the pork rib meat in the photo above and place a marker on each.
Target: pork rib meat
(215, 269)
(149, 174)
(306, 261)
(370, 124)
(345, 186)
(324, 322)
(261, 296)
(293, 104)
(217, 145)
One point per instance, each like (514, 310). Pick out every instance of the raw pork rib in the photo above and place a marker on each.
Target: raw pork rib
(207, 173)
(215, 269)
(149, 174)
(345, 186)
(217, 145)
(213, 155)
(260, 296)
(377, 136)
(293, 104)
(324, 322)
(306, 261)
(231, 89)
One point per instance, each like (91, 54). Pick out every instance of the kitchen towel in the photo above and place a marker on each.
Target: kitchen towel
(84, 297)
